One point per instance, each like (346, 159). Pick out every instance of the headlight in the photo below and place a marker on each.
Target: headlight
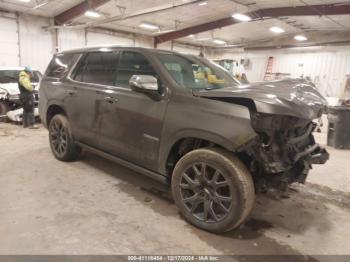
(3, 93)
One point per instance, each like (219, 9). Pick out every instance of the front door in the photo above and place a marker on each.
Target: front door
(132, 122)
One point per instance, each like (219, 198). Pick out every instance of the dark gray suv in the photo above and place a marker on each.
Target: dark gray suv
(184, 121)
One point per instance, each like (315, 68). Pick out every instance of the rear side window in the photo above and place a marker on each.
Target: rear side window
(97, 68)
(60, 65)
(132, 63)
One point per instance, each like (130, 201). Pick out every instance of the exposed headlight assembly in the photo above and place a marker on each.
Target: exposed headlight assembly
(13, 97)
(3, 93)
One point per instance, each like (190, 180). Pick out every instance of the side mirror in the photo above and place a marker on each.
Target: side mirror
(144, 83)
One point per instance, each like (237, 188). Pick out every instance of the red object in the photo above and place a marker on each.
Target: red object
(268, 73)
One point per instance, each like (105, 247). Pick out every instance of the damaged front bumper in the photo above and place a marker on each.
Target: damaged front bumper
(314, 154)
(17, 114)
(285, 148)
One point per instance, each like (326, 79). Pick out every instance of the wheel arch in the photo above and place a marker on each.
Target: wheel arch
(187, 141)
(53, 110)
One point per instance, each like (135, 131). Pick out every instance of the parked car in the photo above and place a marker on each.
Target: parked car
(10, 104)
(215, 142)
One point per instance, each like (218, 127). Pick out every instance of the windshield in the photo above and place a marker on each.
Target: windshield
(11, 76)
(196, 73)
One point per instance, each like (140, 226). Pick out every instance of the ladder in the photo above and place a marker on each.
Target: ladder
(268, 73)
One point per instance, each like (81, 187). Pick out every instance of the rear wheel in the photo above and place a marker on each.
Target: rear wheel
(4, 109)
(61, 139)
(213, 189)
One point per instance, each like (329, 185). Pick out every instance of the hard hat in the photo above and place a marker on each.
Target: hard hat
(28, 69)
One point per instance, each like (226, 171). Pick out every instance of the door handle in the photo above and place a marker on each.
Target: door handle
(110, 100)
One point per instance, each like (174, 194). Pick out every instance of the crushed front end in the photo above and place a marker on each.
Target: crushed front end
(282, 114)
(284, 151)
(13, 104)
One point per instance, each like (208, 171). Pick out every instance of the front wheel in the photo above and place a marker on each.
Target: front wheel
(61, 139)
(213, 189)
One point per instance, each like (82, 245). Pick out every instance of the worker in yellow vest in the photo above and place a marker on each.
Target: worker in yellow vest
(27, 98)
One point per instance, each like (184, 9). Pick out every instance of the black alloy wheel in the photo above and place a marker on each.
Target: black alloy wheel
(206, 193)
(59, 138)
(213, 189)
(62, 142)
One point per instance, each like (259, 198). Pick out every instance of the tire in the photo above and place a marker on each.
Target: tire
(61, 139)
(222, 198)
(4, 109)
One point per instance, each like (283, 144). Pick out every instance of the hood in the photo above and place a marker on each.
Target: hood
(12, 88)
(292, 97)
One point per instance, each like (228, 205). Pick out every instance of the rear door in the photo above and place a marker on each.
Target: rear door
(85, 94)
(132, 122)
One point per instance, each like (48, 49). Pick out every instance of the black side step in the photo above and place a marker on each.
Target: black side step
(151, 174)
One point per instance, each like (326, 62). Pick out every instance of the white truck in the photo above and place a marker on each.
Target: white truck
(10, 104)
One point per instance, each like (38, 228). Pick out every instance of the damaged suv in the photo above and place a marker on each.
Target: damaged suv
(184, 121)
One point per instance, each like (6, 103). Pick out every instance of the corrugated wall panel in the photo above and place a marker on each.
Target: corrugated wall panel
(71, 39)
(9, 52)
(186, 50)
(142, 41)
(179, 48)
(165, 46)
(36, 43)
(327, 67)
(95, 39)
(330, 68)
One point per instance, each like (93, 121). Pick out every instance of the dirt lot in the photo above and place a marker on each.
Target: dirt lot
(94, 206)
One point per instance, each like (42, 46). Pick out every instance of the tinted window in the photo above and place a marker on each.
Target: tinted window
(12, 76)
(132, 63)
(60, 65)
(97, 68)
(196, 73)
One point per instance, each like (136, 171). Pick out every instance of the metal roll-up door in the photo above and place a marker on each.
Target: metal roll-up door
(9, 51)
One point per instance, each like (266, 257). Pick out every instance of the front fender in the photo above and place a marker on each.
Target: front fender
(227, 125)
(44, 106)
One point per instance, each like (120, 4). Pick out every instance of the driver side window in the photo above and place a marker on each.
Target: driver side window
(132, 63)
